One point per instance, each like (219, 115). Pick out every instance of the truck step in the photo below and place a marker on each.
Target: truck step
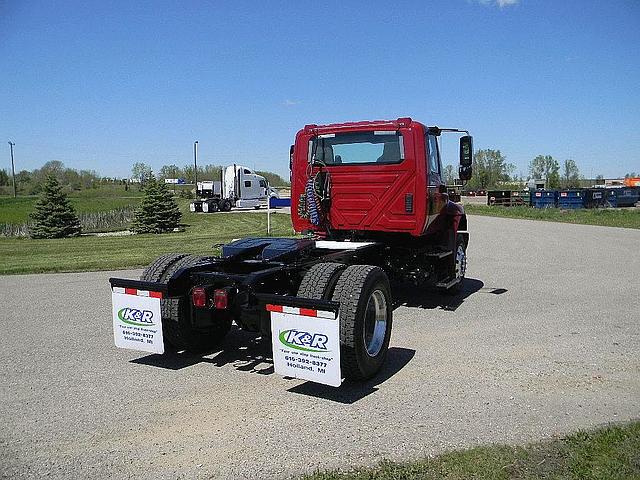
(441, 254)
(447, 285)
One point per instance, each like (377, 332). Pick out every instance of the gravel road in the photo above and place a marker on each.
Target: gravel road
(544, 340)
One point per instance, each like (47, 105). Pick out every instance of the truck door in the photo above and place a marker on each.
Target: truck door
(437, 196)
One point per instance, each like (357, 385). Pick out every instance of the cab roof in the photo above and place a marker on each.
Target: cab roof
(402, 122)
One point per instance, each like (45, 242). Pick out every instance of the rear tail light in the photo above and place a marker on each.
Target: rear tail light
(199, 297)
(221, 299)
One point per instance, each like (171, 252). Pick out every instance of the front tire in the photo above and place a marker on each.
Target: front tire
(460, 265)
(366, 315)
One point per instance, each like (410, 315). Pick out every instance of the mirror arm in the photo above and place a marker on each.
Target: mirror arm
(455, 130)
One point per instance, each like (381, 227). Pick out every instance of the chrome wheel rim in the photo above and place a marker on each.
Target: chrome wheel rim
(461, 262)
(375, 323)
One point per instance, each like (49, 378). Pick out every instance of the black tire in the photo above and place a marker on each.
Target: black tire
(213, 206)
(457, 287)
(354, 290)
(257, 207)
(320, 280)
(176, 329)
(225, 206)
(155, 270)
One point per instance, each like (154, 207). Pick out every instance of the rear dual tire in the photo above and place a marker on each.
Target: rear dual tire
(213, 206)
(366, 313)
(177, 330)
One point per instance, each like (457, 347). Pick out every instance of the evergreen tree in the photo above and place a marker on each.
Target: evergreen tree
(158, 211)
(54, 216)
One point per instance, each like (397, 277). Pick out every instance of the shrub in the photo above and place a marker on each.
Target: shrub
(54, 216)
(158, 211)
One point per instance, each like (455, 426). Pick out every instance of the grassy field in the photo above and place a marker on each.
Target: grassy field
(627, 218)
(605, 454)
(16, 210)
(23, 255)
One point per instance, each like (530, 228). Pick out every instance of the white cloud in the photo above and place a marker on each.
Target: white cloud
(499, 3)
(289, 103)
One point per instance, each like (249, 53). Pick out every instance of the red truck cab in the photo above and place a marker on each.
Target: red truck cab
(374, 176)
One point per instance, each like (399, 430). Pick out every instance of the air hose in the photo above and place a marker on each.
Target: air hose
(312, 201)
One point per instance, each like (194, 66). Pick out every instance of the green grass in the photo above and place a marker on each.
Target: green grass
(24, 255)
(606, 454)
(610, 217)
(16, 210)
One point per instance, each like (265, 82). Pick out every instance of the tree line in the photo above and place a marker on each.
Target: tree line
(491, 170)
(31, 182)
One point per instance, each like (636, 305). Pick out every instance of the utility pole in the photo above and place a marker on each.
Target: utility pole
(195, 166)
(13, 170)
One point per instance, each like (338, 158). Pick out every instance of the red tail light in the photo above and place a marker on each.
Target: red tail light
(199, 297)
(220, 299)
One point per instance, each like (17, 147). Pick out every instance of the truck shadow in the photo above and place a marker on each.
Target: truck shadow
(407, 295)
(243, 350)
(247, 353)
(351, 392)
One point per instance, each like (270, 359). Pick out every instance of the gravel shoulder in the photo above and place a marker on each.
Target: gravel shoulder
(544, 340)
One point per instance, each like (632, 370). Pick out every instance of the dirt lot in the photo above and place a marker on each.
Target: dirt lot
(544, 340)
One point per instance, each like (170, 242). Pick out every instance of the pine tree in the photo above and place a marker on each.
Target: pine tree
(54, 216)
(158, 211)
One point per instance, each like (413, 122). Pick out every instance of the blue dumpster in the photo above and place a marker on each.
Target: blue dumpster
(622, 197)
(595, 198)
(569, 199)
(544, 198)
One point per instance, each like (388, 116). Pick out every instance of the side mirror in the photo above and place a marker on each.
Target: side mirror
(466, 157)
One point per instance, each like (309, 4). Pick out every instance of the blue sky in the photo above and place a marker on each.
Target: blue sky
(100, 85)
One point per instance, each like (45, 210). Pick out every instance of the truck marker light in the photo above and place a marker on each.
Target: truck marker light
(220, 299)
(199, 297)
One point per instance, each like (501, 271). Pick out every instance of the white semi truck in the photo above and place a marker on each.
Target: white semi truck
(238, 187)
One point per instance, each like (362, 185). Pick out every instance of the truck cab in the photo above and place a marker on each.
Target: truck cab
(365, 179)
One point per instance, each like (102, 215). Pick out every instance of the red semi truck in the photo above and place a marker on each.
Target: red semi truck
(372, 207)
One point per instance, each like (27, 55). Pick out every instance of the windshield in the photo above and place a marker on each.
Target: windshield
(357, 148)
